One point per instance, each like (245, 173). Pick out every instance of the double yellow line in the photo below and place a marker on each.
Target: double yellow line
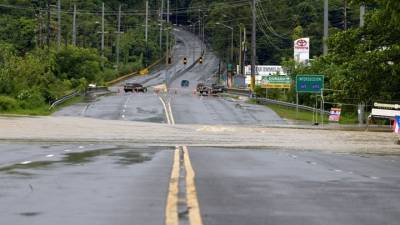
(192, 202)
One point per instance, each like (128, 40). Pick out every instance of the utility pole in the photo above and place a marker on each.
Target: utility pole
(240, 49)
(48, 24)
(200, 24)
(146, 22)
(74, 27)
(326, 24)
(59, 23)
(161, 25)
(146, 32)
(345, 15)
(203, 42)
(118, 34)
(102, 31)
(167, 44)
(244, 51)
(40, 29)
(253, 48)
(362, 14)
(167, 48)
(176, 12)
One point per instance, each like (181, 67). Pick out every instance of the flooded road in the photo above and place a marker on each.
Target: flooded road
(71, 184)
(246, 165)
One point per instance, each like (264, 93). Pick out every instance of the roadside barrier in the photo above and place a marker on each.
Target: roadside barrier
(265, 101)
(63, 99)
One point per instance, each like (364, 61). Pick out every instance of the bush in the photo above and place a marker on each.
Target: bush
(8, 103)
(30, 99)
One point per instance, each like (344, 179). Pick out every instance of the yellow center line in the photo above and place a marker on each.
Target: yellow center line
(191, 193)
(171, 211)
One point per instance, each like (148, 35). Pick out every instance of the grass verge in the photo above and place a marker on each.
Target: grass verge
(43, 110)
(302, 115)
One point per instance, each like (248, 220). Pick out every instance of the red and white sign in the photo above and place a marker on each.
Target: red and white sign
(302, 50)
(334, 114)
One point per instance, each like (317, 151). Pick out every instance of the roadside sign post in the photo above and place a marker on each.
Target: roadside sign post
(275, 82)
(306, 83)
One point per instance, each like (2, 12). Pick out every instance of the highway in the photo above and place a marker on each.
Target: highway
(113, 183)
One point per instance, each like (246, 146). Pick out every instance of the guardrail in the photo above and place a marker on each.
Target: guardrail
(239, 91)
(265, 101)
(63, 99)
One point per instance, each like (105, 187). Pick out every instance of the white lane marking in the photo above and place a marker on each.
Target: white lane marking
(124, 111)
(166, 110)
(67, 150)
(49, 156)
(123, 116)
(81, 147)
(374, 178)
(25, 162)
(339, 171)
(170, 113)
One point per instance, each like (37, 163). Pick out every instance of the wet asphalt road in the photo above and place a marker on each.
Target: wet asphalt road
(109, 184)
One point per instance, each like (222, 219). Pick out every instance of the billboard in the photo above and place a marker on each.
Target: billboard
(263, 70)
(266, 70)
(302, 50)
(276, 82)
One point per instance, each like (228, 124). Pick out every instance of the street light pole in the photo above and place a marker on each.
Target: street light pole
(229, 75)
(231, 28)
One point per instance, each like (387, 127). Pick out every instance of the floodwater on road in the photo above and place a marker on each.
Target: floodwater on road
(83, 184)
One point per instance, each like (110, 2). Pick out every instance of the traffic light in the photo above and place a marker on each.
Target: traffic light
(185, 60)
(169, 60)
(201, 60)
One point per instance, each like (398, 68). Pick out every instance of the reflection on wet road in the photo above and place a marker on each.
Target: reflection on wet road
(85, 185)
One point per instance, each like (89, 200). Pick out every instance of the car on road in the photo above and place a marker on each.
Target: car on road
(134, 87)
(184, 83)
(202, 89)
(215, 89)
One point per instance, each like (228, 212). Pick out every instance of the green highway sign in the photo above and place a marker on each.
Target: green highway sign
(309, 83)
(276, 82)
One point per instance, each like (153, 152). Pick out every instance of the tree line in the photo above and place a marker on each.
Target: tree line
(33, 74)
(363, 62)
